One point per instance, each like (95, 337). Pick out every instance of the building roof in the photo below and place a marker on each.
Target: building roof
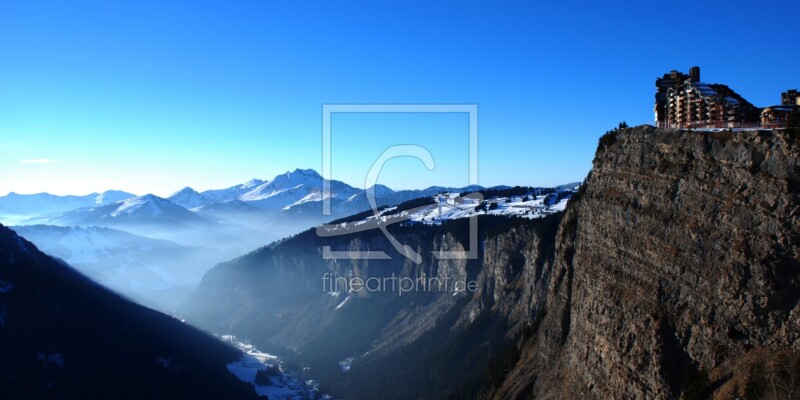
(704, 88)
(720, 91)
(781, 108)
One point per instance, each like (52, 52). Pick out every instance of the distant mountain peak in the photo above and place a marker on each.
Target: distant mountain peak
(187, 191)
(111, 196)
(252, 183)
(381, 190)
(307, 172)
(189, 198)
(147, 206)
(45, 203)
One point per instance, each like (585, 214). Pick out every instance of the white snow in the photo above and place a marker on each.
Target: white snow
(189, 198)
(313, 196)
(16, 206)
(453, 206)
(146, 205)
(285, 386)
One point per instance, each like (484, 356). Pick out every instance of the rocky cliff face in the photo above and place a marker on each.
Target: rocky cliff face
(676, 273)
(443, 340)
(673, 273)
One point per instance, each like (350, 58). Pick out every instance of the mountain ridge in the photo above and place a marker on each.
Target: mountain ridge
(64, 336)
(672, 273)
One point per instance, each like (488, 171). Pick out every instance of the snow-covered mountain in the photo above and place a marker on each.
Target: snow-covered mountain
(284, 191)
(233, 192)
(259, 209)
(299, 192)
(227, 233)
(189, 198)
(28, 205)
(143, 210)
(298, 195)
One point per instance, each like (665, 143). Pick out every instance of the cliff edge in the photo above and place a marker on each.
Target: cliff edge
(676, 273)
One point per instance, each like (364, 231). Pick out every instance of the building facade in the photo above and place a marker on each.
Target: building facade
(684, 102)
(780, 116)
(671, 80)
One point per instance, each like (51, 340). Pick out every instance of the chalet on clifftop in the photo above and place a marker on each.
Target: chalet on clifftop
(685, 102)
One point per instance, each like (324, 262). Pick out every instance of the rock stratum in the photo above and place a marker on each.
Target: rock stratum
(676, 273)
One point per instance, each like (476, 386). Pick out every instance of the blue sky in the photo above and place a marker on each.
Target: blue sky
(147, 96)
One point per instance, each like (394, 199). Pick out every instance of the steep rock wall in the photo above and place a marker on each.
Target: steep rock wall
(680, 255)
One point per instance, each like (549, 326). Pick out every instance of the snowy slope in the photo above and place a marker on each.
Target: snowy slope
(296, 187)
(189, 198)
(233, 192)
(287, 204)
(284, 385)
(30, 205)
(448, 206)
(299, 193)
(147, 209)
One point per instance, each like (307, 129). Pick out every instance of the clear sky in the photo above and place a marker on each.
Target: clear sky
(151, 96)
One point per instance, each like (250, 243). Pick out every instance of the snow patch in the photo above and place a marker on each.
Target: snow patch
(454, 206)
(286, 385)
(145, 204)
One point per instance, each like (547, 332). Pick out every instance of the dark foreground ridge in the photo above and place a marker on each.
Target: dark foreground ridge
(64, 337)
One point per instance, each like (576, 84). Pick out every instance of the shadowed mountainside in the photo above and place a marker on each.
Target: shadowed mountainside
(63, 336)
